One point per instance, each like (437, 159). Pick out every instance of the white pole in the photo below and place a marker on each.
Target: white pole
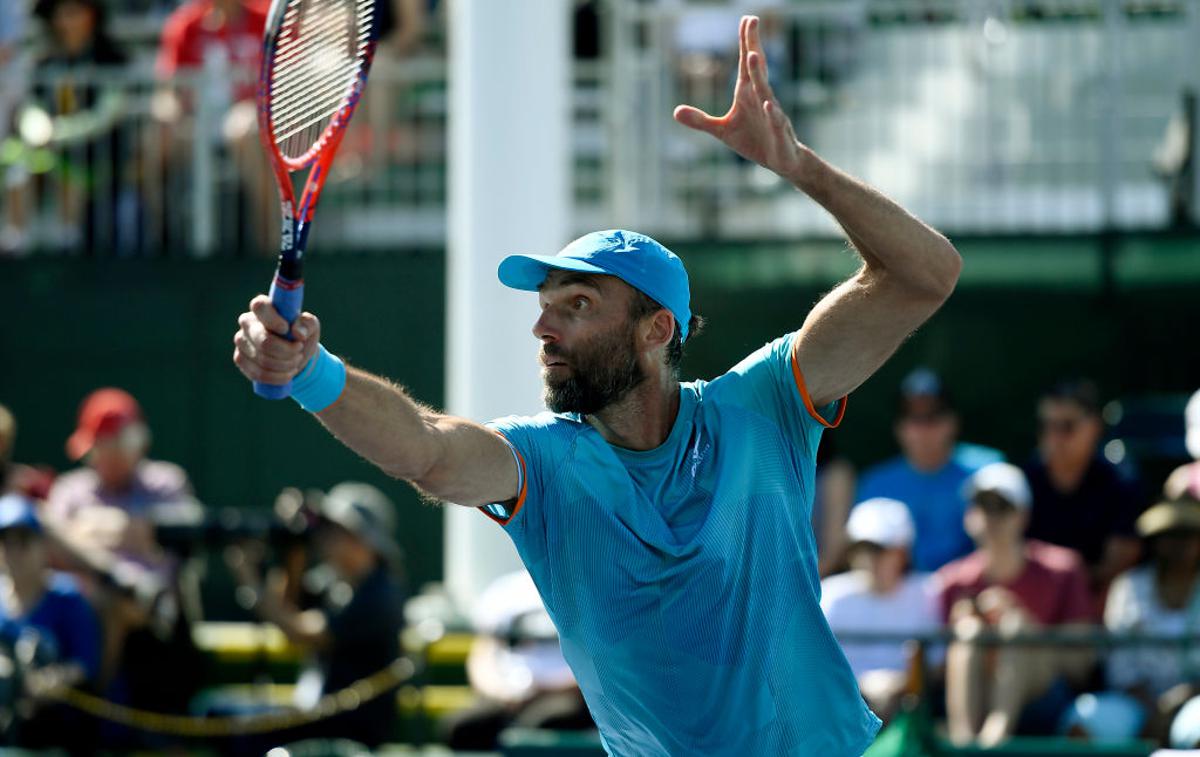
(509, 191)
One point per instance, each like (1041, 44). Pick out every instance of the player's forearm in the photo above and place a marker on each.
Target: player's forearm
(890, 240)
(379, 421)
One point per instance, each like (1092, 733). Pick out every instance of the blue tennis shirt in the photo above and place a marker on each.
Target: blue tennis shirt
(683, 580)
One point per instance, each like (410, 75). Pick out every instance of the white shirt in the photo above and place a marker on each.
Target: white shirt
(850, 605)
(1134, 606)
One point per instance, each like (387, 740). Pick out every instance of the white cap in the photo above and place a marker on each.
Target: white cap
(1004, 479)
(881, 521)
(1191, 417)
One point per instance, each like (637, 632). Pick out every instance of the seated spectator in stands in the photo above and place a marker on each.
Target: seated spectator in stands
(928, 475)
(16, 478)
(517, 668)
(102, 516)
(357, 631)
(879, 594)
(831, 506)
(43, 607)
(1080, 500)
(74, 114)
(224, 39)
(1184, 481)
(1160, 598)
(1013, 585)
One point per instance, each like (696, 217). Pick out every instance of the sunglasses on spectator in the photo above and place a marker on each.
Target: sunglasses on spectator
(991, 502)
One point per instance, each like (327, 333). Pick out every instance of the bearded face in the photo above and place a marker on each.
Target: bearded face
(592, 375)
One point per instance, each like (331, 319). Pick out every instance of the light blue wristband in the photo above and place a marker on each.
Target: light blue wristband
(321, 381)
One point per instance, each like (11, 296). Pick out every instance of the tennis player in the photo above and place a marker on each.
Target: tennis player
(665, 524)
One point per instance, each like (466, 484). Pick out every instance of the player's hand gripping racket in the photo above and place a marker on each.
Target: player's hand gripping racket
(316, 54)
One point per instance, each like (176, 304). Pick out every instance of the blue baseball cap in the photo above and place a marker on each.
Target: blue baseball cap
(17, 511)
(636, 259)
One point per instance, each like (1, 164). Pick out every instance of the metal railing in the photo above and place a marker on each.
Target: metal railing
(987, 116)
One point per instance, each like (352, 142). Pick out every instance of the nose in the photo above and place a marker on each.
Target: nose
(544, 329)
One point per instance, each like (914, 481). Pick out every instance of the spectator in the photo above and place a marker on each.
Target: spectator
(16, 478)
(74, 114)
(831, 506)
(357, 631)
(1080, 500)
(879, 594)
(103, 516)
(928, 475)
(1185, 480)
(224, 39)
(1014, 585)
(517, 668)
(38, 604)
(1161, 598)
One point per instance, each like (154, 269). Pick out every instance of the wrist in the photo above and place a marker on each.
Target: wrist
(805, 172)
(320, 383)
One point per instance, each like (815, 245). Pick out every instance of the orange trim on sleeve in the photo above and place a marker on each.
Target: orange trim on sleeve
(808, 404)
(524, 477)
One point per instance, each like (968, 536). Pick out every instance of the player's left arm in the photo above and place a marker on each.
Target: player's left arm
(908, 268)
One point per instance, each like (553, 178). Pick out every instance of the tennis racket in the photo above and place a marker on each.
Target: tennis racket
(316, 55)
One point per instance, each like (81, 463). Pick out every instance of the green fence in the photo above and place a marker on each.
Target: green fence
(1126, 313)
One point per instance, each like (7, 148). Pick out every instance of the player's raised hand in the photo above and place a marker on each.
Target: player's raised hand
(755, 126)
(262, 352)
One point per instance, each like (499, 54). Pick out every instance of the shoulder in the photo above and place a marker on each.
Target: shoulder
(842, 585)
(1052, 557)
(73, 484)
(963, 571)
(888, 470)
(64, 592)
(545, 425)
(972, 457)
(161, 476)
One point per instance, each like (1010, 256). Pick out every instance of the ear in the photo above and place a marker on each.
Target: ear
(657, 329)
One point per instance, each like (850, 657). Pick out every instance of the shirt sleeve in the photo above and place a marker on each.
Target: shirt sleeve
(170, 49)
(530, 441)
(1121, 615)
(769, 382)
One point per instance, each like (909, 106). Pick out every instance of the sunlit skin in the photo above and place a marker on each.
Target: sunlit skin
(884, 565)
(115, 462)
(577, 311)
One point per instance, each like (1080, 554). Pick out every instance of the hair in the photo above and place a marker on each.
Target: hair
(1079, 391)
(643, 305)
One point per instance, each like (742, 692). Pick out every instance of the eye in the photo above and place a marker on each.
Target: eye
(580, 302)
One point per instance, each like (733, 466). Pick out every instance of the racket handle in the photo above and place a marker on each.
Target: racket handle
(287, 296)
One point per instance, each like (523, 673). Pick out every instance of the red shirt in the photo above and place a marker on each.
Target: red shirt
(196, 31)
(1053, 587)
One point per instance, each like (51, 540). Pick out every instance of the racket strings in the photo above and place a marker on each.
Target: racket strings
(317, 61)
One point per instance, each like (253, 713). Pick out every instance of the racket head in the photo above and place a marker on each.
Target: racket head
(316, 56)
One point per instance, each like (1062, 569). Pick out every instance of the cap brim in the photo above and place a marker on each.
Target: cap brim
(527, 272)
(79, 444)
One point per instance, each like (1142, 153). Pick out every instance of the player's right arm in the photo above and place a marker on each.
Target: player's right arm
(450, 458)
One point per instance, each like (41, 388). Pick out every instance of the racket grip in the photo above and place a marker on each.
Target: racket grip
(288, 297)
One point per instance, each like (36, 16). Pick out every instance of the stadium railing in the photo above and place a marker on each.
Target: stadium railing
(1006, 116)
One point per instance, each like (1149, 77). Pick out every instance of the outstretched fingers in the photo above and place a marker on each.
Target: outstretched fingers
(758, 77)
(743, 74)
(694, 118)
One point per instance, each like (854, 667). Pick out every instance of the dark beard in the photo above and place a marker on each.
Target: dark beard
(602, 372)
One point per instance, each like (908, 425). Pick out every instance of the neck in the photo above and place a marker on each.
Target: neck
(644, 418)
(1005, 560)
(930, 466)
(1065, 475)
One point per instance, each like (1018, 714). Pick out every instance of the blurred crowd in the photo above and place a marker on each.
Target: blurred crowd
(1011, 574)
(1053, 595)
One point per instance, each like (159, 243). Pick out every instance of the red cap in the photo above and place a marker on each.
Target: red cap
(102, 415)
